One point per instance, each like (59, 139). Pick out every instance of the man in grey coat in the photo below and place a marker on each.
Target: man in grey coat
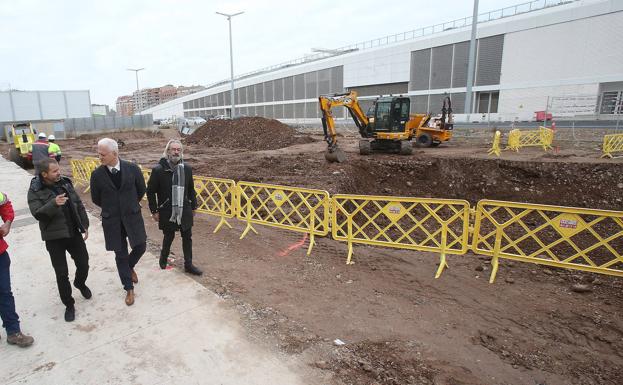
(117, 187)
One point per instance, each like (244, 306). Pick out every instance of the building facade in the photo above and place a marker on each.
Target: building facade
(149, 97)
(556, 57)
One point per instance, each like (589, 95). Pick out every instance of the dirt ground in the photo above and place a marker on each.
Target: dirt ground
(398, 323)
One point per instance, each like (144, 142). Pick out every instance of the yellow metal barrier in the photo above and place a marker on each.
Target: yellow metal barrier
(543, 137)
(612, 143)
(216, 196)
(495, 147)
(81, 173)
(291, 208)
(435, 225)
(569, 237)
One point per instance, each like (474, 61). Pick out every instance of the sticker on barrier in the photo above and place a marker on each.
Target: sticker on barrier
(291, 208)
(434, 225)
(612, 143)
(216, 196)
(569, 237)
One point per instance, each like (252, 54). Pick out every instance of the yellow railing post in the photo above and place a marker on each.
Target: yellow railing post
(496, 253)
(495, 147)
(312, 225)
(249, 226)
(349, 225)
(223, 220)
(442, 258)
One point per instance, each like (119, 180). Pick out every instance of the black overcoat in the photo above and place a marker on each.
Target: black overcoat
(120, 206)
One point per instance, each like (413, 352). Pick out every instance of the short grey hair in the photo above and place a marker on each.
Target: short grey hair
(110, 143)
(166, 148)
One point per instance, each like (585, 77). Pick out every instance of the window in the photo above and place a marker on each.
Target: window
(487, 102)
(612, 102)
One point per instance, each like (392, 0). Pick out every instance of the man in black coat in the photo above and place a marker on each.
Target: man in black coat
(117, 187)
(64, 225)
(173, 201)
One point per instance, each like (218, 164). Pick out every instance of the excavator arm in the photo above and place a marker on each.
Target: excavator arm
(327, 102)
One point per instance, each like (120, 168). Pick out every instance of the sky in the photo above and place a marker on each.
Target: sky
(89, 45)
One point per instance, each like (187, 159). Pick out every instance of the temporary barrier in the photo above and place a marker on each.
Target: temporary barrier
(543, 137)
(216, 196)
(569, 237)
(291, 208)
(612, 143)
(81, 173)
(435, 225)
(495, 147)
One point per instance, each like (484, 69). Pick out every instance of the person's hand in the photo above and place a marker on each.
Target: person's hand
(5, 229)
(61, 199)
(156, 217)
(85, 236)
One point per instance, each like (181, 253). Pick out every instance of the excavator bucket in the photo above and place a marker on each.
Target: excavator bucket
(335, 155)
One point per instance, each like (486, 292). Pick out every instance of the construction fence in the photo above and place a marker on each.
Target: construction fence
(568, 237)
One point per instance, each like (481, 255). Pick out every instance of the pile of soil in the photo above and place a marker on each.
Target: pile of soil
(123, 135)
(253, 133)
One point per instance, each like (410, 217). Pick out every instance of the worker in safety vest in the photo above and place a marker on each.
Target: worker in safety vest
(54, 150)
(40, 149)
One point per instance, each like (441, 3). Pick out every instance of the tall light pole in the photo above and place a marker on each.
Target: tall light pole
(140, 98)
(231, 61)
(471, 62)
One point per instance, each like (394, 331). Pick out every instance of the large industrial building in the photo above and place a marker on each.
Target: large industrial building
(565, 58)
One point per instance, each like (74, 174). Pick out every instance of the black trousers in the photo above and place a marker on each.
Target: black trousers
(187, 245)
(77, 249)
(126, 261)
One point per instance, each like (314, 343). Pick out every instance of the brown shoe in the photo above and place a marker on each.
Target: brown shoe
(134, 276)
(129, 298)
(20, 339)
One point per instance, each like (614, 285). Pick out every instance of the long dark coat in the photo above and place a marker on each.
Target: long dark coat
(120, 206)
(159, 195)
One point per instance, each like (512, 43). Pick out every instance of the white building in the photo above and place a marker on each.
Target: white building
(566, 58)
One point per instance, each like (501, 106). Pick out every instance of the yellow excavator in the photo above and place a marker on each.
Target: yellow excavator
(389, 127)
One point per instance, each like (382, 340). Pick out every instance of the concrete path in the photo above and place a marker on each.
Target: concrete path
(177, 332)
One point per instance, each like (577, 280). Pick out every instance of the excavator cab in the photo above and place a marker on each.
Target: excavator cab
(390, 115)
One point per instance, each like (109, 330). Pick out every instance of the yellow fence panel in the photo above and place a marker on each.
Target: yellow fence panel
(435, 225)
(216, 196)
(612, 143)
(291, 208)
(81, 171)
(569, 237)
(543, 137)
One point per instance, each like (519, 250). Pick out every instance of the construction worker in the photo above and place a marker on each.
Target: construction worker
(40, 149)
(54, 150)
(10, 319)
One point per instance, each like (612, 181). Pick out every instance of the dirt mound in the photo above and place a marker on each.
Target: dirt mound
(254, 133)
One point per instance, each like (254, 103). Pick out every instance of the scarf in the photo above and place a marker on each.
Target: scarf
(177, 193)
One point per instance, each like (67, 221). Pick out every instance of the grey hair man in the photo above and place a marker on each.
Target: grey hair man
(173, 201)
(117, 187)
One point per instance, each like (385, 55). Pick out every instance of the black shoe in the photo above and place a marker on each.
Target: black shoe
(85, 291)
(163, 262)
(70, 313)
(192, 269)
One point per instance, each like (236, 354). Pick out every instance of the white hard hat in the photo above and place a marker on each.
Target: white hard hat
(42, 135)
(51, 137)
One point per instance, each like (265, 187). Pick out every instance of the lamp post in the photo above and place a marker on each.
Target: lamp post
(231, 61)
(470, 63)
(140, 98)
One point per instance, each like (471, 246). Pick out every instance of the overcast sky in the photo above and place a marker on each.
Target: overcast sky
(78, 45)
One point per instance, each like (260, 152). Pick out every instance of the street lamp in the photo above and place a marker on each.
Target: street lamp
(140, 98)
(231, 61)
(471, 61)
